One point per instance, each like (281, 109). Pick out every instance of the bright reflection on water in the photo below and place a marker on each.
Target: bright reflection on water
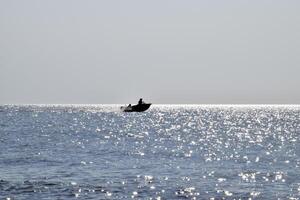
(168, 152)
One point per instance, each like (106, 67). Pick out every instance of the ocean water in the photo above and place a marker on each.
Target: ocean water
(168, 152)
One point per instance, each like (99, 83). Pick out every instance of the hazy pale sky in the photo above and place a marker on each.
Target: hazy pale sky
(167, 51)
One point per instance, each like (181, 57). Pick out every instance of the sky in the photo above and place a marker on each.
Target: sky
(166, 51)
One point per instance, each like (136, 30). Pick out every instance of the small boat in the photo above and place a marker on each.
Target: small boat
(136, 108)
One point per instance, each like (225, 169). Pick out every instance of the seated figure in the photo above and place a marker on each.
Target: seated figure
(141, 101)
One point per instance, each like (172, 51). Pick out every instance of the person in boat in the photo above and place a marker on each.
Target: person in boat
(141, 101)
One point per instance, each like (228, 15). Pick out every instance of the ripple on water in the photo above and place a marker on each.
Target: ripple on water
(168, 152)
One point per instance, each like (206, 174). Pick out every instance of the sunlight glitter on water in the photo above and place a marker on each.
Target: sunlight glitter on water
(168, 152)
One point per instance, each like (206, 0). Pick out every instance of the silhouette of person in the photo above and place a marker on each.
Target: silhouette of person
(129, 105)
(141, 101)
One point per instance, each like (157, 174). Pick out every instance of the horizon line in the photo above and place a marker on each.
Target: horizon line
(159, 104)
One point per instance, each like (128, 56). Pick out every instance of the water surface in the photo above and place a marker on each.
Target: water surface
(168, 152)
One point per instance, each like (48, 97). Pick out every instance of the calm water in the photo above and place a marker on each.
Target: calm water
(168, 152)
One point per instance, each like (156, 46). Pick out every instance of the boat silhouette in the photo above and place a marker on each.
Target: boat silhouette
(136, 108)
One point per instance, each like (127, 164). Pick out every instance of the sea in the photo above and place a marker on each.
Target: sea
(167, 152)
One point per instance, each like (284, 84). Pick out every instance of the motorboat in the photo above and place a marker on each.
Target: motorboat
(141, 107)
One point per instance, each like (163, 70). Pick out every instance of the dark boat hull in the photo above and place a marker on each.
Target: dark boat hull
(137, 108)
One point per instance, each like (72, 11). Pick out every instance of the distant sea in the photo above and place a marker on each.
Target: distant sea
(167, 152)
